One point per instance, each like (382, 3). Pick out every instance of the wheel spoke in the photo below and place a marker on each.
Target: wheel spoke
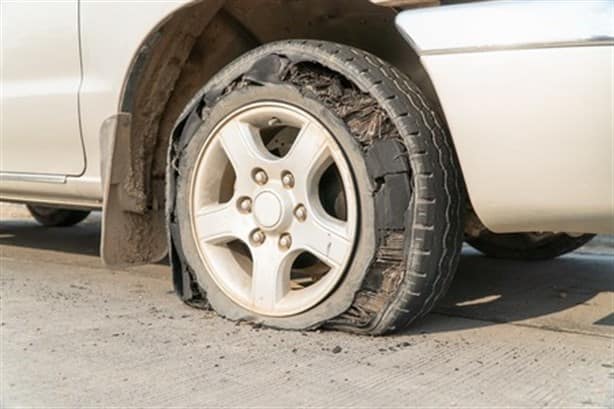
(327, 238)
(270, 276)
(309, 152)
(244, 148)
(219, 223)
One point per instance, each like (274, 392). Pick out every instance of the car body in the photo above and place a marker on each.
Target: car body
(91, 93)
(527, 93)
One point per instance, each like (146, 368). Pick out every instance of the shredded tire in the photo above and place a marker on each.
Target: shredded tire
(414, 180)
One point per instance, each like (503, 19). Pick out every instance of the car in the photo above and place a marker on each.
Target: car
(312, 164)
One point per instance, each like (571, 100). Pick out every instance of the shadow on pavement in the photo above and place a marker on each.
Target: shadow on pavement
(483, 283)
(83, 238)
(495, 291)
(486, 290)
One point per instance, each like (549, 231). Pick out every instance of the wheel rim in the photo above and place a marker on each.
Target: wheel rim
(261, 215)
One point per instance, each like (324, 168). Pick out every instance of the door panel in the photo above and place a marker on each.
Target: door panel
(40, 77)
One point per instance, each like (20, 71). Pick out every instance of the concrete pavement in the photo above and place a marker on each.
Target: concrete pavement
(509, 334)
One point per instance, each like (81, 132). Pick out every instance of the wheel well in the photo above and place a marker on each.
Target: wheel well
(195, 42)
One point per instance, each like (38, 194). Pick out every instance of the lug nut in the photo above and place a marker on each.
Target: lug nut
(258, 237)
(260, 176)
(287, 179)
(245, 204)
(285, 241)
(300, 213)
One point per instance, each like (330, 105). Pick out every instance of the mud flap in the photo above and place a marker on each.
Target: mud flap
(132, 234)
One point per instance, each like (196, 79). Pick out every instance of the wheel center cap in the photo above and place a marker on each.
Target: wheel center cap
(268, 209)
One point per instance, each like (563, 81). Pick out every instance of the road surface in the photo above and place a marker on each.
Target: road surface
(76, 334)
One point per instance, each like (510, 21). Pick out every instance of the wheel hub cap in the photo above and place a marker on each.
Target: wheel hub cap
(268, 210)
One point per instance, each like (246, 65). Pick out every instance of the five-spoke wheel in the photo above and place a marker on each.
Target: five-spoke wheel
(258, 212)
(312, 184)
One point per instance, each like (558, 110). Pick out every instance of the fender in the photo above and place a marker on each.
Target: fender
(527, 91)
(141, 85)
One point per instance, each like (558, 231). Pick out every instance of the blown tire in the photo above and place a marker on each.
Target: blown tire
(395, 193)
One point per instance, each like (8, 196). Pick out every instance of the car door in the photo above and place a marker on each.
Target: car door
(40, 78)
